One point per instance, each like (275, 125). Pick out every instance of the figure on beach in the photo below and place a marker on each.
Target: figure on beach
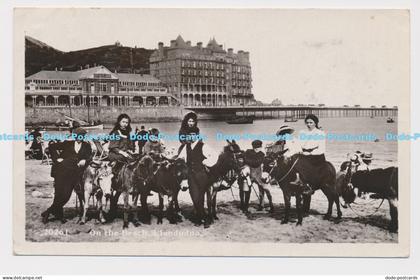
(69, 161)
(121, 150)
(188, 126)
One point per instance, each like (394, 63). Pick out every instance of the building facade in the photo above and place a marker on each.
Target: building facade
(203, 76)
(96, 86)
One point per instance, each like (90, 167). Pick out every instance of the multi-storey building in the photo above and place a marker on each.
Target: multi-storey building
(198, 75)
(93, 87)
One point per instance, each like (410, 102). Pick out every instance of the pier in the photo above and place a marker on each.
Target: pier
(297, 112)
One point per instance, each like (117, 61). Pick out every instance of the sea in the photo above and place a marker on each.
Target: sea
(344, 136)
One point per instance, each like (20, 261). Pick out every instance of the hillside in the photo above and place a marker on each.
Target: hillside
(40, 56)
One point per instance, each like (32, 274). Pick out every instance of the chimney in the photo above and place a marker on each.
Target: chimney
(173, 43)
(188, 43)
(200, 45)
(160, 44)
(246, 55)
(230, 52)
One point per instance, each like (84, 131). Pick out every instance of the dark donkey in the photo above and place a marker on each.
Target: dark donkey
(284, 169)
(383, 183)
(170, 177)
(132, 179)
(201, 183)
(225, 172)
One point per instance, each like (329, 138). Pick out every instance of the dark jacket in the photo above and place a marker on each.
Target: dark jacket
(123, 144)
(66, 151)
(195, 156)
(253, 159)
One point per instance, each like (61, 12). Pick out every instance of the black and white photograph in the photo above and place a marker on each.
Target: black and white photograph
(219, 132)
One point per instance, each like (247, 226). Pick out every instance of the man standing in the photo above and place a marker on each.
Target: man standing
(69, 161)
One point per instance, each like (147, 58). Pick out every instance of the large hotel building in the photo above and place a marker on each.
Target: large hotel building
(179, 74)
(203, 76)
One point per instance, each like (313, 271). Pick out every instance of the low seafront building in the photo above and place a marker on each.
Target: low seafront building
(96, 86)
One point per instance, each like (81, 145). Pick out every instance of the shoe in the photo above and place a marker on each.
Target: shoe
(44, 216)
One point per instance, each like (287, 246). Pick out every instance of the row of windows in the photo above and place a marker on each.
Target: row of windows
(52, 88)
(56, 82)
(138, 84)
(202, 64)
(201, 73)
(205, 81)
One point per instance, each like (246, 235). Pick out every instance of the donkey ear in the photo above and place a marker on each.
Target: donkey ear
(233, 141)
(227, 140)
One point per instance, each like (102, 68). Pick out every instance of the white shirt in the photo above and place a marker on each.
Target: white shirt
(208, 152)
(314, 139)
(77, 146)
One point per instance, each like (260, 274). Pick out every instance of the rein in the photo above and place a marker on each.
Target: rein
(288, 172)
(376, 210)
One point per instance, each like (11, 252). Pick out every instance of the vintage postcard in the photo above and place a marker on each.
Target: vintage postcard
(211, 132)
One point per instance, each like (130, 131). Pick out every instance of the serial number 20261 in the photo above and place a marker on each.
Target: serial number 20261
(54, 232)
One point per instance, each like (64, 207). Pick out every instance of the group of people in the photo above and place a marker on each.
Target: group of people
(71, 157)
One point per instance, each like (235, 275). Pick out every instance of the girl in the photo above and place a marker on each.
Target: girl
(122, 149)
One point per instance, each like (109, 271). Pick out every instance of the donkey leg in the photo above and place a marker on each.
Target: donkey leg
(393, 209)
(145, 208)
(214, 205)
(175, 200)
(171, 215)
(101, 212)
(126, 209)
(270, 200)
(135, 221)
(85, 207)
(306, 203)
(330, 197)
(242, 198)
(327, 216)
(208, 219)
(286, 197)
(337, 204)
(160, 215)
(113, 204)
(299, 209)
(261, 198)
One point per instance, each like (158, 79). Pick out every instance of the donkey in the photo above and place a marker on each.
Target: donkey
(132, 179)
(170, 177)
(283, 169)
(96, 182)
(201, 183)
(381, 182)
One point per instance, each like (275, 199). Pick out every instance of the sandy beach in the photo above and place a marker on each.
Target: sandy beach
(233, 225)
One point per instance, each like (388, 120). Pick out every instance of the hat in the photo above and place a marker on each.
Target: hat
(256, 144)
(285, 129)
(367, 156)
(154, 131)
(191, 115)
(79, 131)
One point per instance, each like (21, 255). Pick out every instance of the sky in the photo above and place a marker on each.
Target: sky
(334, 57)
